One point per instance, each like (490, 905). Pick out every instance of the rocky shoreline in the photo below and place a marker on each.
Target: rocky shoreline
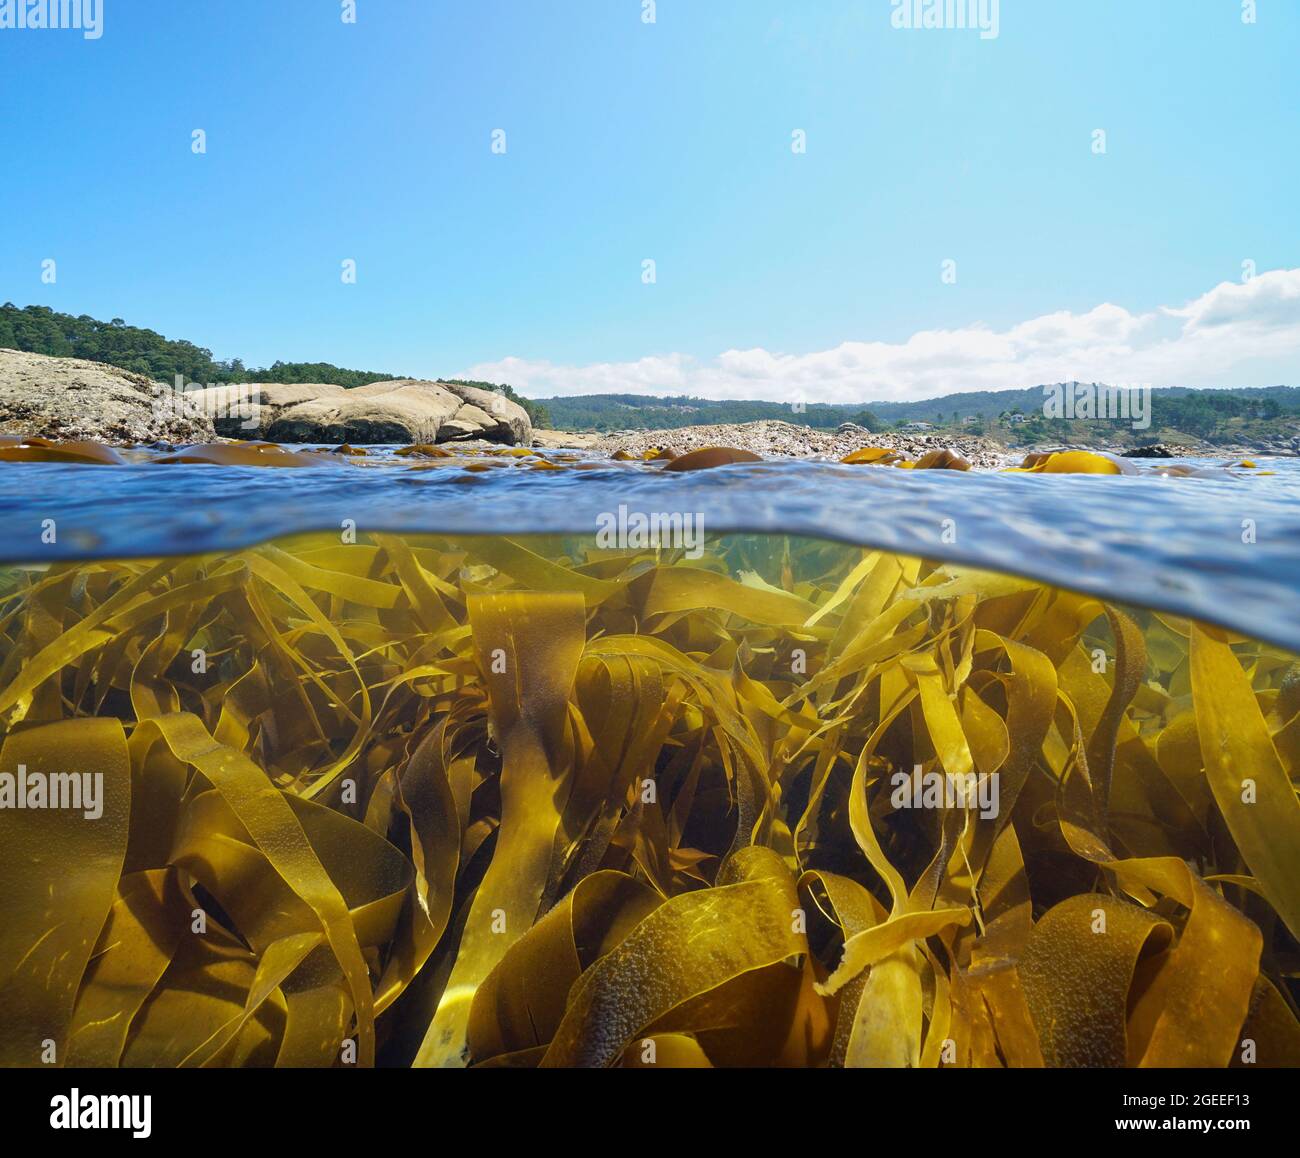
(787, 440)
(783, 439)
(68, 399)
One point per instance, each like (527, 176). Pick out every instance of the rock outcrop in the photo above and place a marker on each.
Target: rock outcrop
(407, 411)
(1153, 450)
(249, 409)
(564, 440)
(72, 399)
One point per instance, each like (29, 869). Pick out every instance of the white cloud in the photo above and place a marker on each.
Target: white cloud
(1237, 334)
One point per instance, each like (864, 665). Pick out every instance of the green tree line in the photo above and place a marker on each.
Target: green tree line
(40, 330)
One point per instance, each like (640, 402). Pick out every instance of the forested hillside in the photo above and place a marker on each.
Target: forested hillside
(1197, 412)
(40, 330)
(641, 412)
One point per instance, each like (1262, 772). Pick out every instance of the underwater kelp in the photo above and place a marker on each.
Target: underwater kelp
(421, 800)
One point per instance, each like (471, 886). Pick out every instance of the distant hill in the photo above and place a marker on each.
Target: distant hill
(605, 412)
(1192, 412)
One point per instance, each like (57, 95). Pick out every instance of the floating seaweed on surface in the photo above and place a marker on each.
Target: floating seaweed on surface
(242, 454)
(872, 456)
(707, 457)
(16, 448)
(436, 801)
(1074, 462)
(479, 459)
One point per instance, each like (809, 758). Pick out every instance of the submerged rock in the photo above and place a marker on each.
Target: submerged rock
(70, 399)
(406, 411)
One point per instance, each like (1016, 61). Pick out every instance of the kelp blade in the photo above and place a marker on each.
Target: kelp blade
(470, 801)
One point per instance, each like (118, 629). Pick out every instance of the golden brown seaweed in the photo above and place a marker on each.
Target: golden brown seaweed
(474, 801)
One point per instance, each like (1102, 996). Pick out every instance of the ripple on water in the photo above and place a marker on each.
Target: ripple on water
(1180, 544)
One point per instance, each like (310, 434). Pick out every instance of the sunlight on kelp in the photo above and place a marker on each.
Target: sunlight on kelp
(534, 803)
(1048, 462)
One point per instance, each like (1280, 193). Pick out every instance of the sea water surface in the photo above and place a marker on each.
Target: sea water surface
(1224, 549)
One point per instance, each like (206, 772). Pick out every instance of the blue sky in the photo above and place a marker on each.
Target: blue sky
(776, 271)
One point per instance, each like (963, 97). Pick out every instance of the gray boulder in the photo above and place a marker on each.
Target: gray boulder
(72, 399)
